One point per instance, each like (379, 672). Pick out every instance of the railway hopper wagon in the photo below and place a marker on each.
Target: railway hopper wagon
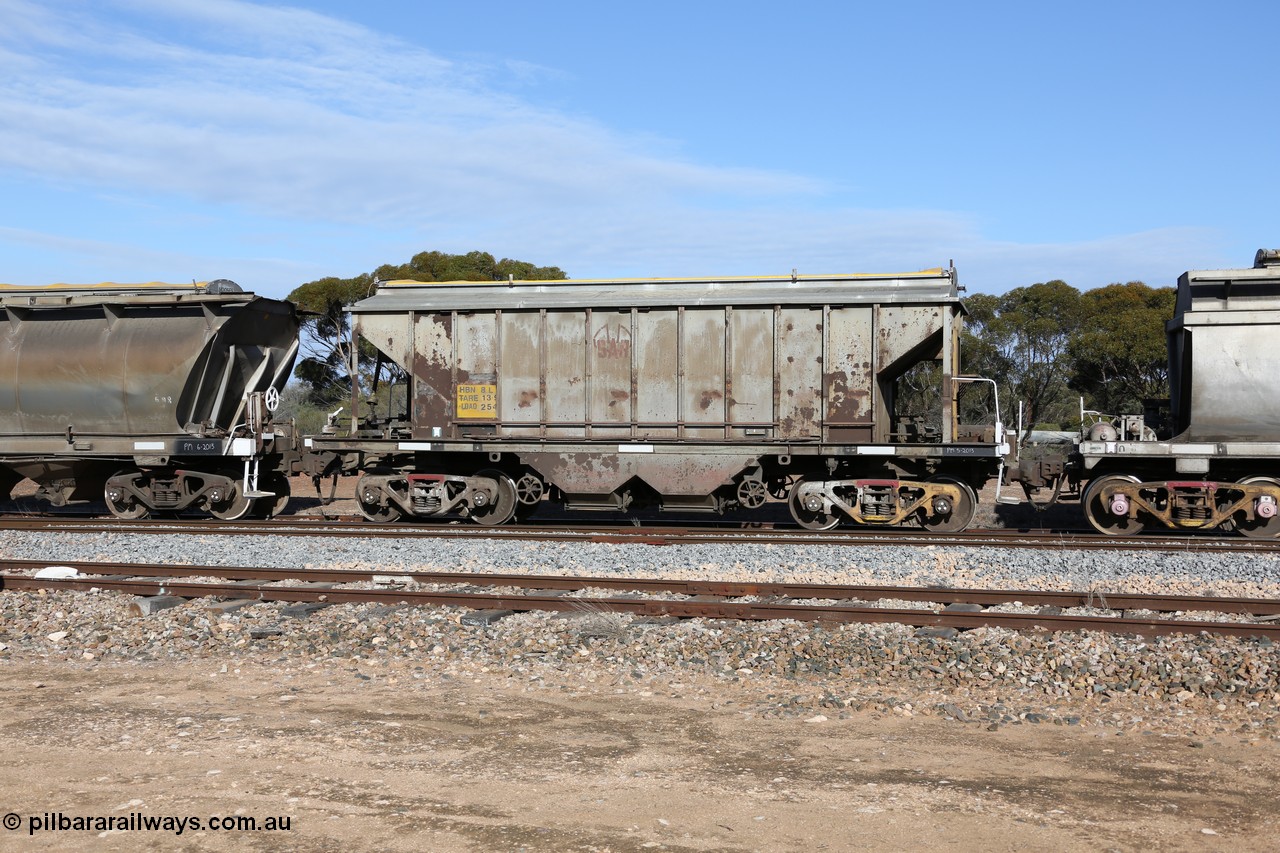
(154, 397)
(1219, 465)
(691, 394)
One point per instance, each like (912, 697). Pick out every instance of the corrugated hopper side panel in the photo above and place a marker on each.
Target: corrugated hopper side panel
(703, 354)
(566, 387)
(799, 361)
(609, 372)
(519, 393)
(432, 374)
(657, 389)
(849, 386)
(751, 380)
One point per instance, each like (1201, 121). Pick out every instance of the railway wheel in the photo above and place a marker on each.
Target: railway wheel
(503, 506)
(1101, 511)
(808, 510)
(1260, 527)
(271, 507)
(120, 503)
(947, 515)
(368, 499)
(233, 506)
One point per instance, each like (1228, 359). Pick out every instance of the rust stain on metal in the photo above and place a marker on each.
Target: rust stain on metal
(583, 473)
(692, 474)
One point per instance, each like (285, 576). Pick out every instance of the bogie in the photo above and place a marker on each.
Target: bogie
(942, 504)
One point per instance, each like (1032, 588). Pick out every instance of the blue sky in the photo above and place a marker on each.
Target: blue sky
(273, 144)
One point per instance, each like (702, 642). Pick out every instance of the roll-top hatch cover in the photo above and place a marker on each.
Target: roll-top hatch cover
(1253, 289)
(152, 293)
(928, 286)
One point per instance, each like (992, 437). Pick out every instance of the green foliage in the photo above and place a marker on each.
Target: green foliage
(473, 266)
(1049, 344)
(1120, 358)
(296, 405)
(326, 335)
(979, 356)
(918, 391)
(1021, 340)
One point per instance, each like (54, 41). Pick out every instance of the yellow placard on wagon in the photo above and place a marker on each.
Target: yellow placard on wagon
(476, 401)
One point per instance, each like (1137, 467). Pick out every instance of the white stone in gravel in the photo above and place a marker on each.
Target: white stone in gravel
(817, 719)
(56, 636)
(57, 573)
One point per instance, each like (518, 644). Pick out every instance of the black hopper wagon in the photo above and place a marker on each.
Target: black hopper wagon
(154, 398)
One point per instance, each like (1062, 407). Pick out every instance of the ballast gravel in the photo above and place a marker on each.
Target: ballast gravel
(1254, 575)
(1202, 685)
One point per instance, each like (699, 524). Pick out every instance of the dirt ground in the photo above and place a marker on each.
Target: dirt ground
(365, 757)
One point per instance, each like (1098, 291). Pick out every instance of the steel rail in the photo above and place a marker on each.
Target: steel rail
(654, 608)
(656, 535)
(862, 592)
(709, 599)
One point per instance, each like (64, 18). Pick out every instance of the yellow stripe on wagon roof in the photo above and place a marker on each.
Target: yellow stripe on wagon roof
(409, 282)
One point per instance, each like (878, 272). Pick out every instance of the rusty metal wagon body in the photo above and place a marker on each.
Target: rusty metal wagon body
(698, 394)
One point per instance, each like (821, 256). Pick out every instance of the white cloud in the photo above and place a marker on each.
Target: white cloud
(303, 116)
(83, 261)
(310, 124)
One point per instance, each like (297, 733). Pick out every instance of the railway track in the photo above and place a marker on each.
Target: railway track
(947, 608)
(658, 534)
